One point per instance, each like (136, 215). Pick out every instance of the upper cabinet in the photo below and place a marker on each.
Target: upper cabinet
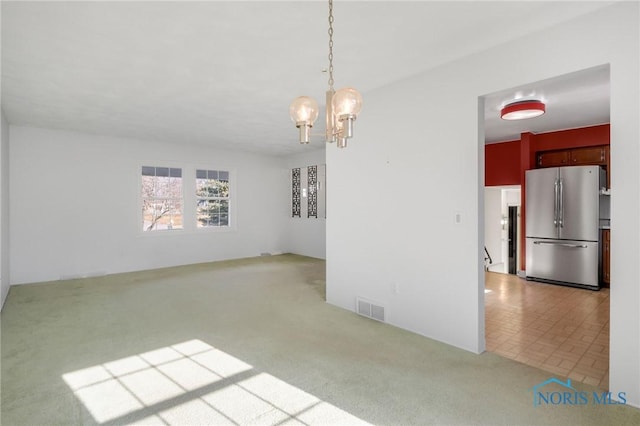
(553, 158)
(586, 156)
(590, 155)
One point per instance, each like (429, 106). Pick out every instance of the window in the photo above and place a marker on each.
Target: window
(212, 198)
(161, 198)
(308, 192)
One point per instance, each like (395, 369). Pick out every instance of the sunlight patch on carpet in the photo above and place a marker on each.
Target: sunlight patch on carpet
(195, 383)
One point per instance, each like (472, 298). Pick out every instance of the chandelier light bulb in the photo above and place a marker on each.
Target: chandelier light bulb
(347, 102)
(304, 110)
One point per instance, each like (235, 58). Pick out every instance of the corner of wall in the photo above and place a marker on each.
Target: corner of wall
(4, 208)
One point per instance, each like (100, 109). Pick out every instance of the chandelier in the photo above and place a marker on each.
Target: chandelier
(342, 106)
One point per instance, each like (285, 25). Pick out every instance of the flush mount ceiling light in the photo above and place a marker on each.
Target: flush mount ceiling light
(342, 107)
(522, 109)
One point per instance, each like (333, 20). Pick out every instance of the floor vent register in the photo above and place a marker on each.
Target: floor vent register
(370, 309)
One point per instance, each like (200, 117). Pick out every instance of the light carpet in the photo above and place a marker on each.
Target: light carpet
(247, 341)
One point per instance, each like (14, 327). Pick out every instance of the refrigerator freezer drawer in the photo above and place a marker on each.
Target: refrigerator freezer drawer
(563, 261)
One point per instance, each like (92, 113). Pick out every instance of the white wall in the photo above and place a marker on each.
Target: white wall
(4, 208)
(306, 236)
(418, 148)
(75, 208)
(493, 227)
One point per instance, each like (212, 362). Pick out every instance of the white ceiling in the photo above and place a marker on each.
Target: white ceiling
(223, 73)
(573, 100)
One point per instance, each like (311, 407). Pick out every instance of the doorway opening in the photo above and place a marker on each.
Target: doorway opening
(513, 222)
(559, 329)
(502, 229)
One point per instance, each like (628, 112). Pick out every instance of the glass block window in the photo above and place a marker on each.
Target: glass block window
(312, 200)
(308, 192)
(162, 198)
(295, 193)
(212, 198)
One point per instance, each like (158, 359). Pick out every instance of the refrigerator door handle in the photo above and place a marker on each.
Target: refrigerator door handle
(554, 243)
(555, 203)
(561, 204)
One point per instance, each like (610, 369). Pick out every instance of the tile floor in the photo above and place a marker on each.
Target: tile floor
(559, 329)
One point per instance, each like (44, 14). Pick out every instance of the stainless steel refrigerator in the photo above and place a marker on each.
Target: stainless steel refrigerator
(562, 225)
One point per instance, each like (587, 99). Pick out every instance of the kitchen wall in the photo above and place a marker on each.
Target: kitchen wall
(75, 206)
(306, 236)
(502, 163)
(4, 208)
(572, 138)
(502, 159)
(406, 230)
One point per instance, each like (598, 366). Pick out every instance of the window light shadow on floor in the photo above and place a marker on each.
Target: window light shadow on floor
(195, 383)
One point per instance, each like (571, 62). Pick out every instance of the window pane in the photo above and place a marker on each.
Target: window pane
(147, 215)
(175, 188)
(223, 175)
(223, 188)
(201, 174)
(167, 187)
(212, 213)
(206, 211)
(175, 172)
(148, 186)
(212, 174)
(162, 171)
(148, 171)
(153, 211)
(167, 215)
(206, 188)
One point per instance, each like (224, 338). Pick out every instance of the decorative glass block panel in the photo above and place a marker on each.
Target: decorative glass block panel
(312, 199)
(295, 193)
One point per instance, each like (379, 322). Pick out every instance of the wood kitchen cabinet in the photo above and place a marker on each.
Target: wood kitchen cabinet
(553, 158)
(586, 156)
(606, 249)
(589, 155)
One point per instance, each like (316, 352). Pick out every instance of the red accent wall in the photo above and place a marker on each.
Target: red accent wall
(502, 163)
(573, 138)
(503, 160)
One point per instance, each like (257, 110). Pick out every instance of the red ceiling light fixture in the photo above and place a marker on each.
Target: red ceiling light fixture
(522, 109)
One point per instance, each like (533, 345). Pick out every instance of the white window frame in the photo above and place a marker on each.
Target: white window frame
(157, 164)
(229, 199)
(189, 207)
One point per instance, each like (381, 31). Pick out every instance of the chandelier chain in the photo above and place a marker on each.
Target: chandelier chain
(330, 45)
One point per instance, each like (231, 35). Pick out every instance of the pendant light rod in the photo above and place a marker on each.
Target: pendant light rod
(330, 31)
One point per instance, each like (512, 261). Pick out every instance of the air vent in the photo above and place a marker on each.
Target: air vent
(370, 309)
